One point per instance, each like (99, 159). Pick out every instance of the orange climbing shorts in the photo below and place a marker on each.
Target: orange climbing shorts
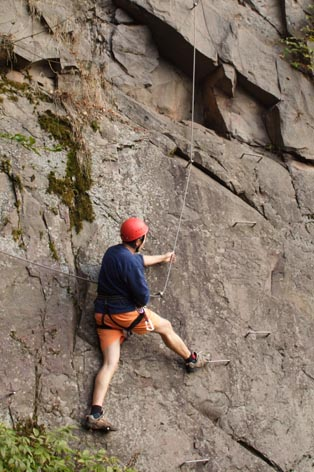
(108, 336)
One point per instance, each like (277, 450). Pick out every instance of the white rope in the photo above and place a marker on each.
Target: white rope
(48, 268)
(190, 163)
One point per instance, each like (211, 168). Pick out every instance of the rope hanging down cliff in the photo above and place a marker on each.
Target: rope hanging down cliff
(189, 166)
(190, 163)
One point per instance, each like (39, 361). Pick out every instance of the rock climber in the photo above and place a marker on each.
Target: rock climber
(120, 309)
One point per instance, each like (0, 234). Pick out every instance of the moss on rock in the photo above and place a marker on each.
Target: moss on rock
(73, 188)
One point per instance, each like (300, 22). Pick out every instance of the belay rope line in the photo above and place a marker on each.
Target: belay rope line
(48, 267)
(190, 163)
(189, 166)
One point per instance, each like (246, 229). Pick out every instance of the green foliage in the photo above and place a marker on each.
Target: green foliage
(31, 448)
(73, 188)
(300, 51)
(28, 142)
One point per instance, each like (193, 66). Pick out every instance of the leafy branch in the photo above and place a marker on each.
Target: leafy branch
(31, 448)
(300, 51)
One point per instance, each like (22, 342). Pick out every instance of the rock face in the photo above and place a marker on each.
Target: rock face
(103, 132)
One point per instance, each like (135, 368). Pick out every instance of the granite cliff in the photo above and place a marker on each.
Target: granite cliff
(95, 106)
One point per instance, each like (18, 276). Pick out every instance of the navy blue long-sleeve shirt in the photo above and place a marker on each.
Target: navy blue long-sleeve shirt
(121, 275)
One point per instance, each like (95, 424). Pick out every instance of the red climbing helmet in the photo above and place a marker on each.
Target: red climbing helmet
(132, 229)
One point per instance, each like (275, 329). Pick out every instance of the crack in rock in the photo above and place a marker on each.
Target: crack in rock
(307, 374)
(253, 7)
(295, 190)
(259, 454)
(230, 187)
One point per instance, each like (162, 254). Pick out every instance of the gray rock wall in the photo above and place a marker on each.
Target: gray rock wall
(119, 77)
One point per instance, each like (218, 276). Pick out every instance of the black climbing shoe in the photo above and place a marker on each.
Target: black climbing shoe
(200, 360)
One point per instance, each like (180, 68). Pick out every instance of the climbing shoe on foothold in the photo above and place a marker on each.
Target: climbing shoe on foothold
(196, 361)
(99, 423)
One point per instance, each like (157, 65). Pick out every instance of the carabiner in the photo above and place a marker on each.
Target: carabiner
(149, 325)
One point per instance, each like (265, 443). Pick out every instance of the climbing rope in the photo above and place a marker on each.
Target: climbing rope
(190, 163)
(67, 274)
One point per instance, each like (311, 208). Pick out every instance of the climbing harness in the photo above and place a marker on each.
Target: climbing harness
(126, 331)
